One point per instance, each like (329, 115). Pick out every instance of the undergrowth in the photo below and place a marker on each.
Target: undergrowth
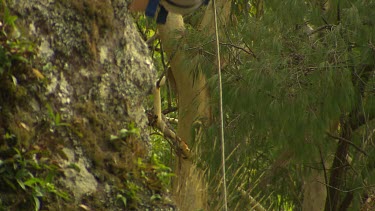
(26, 173)
(26, 176)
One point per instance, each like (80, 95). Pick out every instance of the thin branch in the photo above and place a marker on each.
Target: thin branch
(200, 46)
(248, 47)
(346, 141)
(250, 52)
(152, 39)
(346, 191)
(169, 110)
(157, 121)
(328, 26)
(372, 46)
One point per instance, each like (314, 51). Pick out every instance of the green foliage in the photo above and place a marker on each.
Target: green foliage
(163, 172)
(130, 195)
(149, 175)
(16, 57)
(122, 198)
(55, 118)
(23, 174)
(26, 174)
(161, 149)
(310, 70)
(13, 47)
(124, 133)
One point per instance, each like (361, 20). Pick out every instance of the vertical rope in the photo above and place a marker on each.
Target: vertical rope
(221, 106)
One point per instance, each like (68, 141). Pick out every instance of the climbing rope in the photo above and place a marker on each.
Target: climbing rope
(220, 105)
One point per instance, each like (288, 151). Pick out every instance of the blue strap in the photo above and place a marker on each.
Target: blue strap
(151, 8)
(162, 15)
(179, 5)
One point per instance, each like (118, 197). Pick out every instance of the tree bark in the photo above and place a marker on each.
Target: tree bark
(335, 181)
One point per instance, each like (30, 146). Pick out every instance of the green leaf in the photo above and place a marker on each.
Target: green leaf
(50, 112)
(155, 197)
(114, 138)
(38, 191)
(74, 166)
(124, 132)
(122, 198)
(32, 181)
(21, 184)
(14, 79)
(65, 124)
(37, 203)
(63, 195)
(10, 183)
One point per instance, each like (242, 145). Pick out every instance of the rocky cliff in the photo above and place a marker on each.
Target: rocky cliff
(85, 80)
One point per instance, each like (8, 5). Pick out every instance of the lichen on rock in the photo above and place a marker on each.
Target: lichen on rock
(78, 179)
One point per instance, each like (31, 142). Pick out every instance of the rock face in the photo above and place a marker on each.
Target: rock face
(98, 73)
(91, 52)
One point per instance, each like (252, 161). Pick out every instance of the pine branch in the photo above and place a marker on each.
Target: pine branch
(281, 162)
(250, 52)
(347, 141)
(346, 191)
(328, 26)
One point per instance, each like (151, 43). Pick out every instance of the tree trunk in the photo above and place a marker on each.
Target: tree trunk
(189, 186)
